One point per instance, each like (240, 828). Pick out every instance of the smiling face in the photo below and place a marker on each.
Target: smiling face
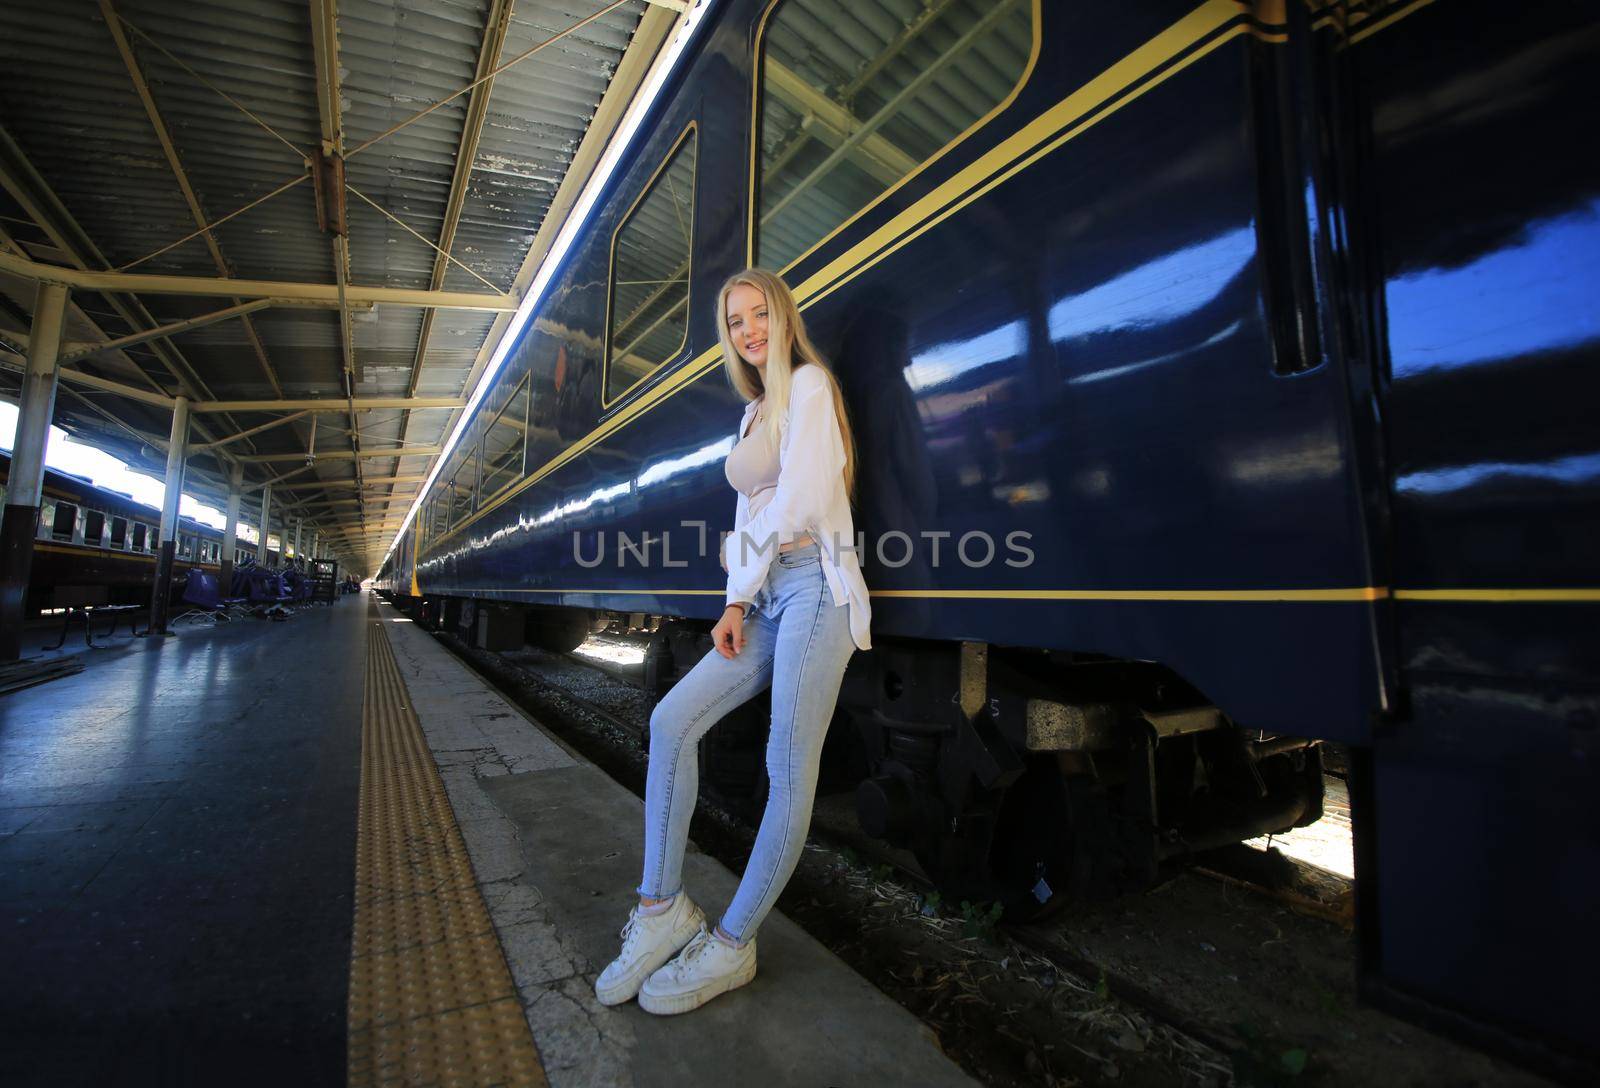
(747, 324)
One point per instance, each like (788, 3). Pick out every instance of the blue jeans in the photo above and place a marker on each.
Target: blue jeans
(798, 641)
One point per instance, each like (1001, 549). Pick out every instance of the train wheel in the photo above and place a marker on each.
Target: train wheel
(1031, 855)
(558, 630)
(1020, 857)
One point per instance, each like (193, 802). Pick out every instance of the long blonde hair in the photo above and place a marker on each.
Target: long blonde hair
(788, 347)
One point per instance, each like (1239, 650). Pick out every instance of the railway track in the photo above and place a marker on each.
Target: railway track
(831, 832)
(1211, 978)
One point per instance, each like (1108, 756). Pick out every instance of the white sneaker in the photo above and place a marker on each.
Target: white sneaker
(705, 968)
(648, 941)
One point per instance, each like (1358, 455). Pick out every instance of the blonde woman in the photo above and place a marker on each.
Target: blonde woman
(797, 608)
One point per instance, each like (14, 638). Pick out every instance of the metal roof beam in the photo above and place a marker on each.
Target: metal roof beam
(84, 350)
(28, 187)
(378, 500)
(356, 538)
(252, 431)
(325, 54)
(332, 213)
(330, 404)
(347, 455)
(284, 476)
(371, 481)
(351, 529)
(164, 137)
(94, 381)
(80, 349)
(356, 544)
(302, 407)
(282, 291)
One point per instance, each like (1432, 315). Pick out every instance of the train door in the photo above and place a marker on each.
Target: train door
(1479, 854)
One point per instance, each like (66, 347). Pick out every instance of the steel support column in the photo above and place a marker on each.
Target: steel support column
(177, 449)
(296, 539)
(230, 531)
(266, 516)
(20, 523)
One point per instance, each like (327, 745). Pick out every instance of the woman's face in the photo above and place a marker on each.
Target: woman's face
(747, 324)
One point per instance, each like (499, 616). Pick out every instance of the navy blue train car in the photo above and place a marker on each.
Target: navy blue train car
(1224, 377)
(92, 537)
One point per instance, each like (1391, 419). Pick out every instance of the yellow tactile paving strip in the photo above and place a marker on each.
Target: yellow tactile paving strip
(431, 997)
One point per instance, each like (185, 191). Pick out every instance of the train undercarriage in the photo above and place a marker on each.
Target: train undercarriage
(1029, 778)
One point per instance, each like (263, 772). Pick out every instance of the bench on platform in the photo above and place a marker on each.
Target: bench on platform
(85, 603)
(203, 594)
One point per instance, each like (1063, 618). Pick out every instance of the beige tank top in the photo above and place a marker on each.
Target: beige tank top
(752, 469)
(753, 462)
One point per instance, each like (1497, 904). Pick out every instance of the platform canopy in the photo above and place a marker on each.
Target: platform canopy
(312, 220)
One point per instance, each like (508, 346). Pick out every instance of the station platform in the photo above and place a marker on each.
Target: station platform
(325, 852)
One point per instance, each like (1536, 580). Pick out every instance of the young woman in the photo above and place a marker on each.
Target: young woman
(797, 608)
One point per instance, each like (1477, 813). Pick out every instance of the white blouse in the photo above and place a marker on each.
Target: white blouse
(810, 497)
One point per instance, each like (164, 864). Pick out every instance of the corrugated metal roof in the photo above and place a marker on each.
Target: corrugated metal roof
(69, 103)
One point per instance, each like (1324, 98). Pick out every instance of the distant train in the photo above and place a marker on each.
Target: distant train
(94, 536)
(1267, 330)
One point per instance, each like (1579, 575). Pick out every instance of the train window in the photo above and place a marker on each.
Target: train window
(138, 537)
(461, 493)
(119, 532)
(848, 113)
(648, 319)
(504, 445)
(185, 547)
(66, 520)
(94, 528)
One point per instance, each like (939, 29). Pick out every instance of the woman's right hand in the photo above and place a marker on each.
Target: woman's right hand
(728, 635)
